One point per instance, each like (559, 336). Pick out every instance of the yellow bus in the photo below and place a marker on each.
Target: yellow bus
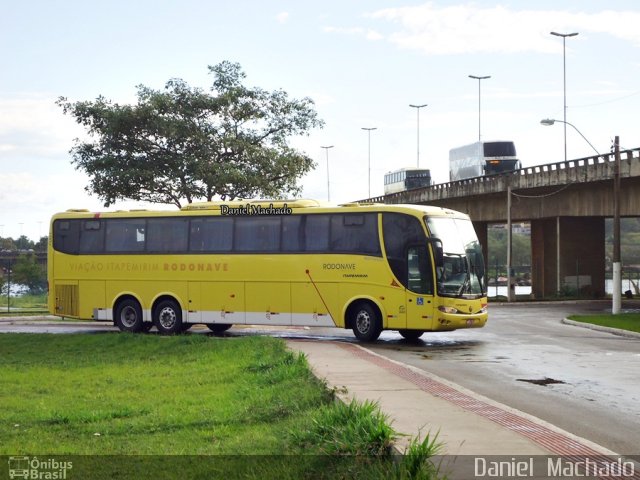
(365, 267)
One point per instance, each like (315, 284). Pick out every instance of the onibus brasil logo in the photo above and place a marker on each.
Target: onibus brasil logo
(34, 468)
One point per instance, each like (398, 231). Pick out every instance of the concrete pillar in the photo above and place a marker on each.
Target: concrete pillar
(543, 248)
(582, 253)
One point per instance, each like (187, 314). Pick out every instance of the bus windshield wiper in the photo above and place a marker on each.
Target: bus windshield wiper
(466, 285)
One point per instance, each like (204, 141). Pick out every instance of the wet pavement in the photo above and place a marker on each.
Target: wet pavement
(581, 380)
(584, 381)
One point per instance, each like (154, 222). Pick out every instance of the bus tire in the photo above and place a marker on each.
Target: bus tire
(411, 335)
(365, 322)
(219, 328)
(128, 316)
(167, 317)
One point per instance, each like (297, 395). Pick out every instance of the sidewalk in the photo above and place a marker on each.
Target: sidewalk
(419, 403)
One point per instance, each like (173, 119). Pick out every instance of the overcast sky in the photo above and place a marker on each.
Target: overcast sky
(362, 62)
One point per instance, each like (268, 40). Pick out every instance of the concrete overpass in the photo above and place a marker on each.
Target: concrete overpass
(566, 203)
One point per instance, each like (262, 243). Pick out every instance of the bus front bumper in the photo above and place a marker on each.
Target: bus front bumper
(448, 318)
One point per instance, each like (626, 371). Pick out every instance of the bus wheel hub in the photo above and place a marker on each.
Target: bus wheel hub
(363, 321)
(129, 317)
(167, 317)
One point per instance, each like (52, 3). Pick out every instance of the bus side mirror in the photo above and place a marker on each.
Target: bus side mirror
(479, 265)
(438, 252)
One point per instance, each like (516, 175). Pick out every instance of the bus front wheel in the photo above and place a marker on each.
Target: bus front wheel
(167, 317)
(129, 316)
(365, 322)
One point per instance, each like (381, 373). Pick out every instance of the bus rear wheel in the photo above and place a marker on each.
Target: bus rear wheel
(167, 317)
(365, 322)
(128, 316)
(411, 334)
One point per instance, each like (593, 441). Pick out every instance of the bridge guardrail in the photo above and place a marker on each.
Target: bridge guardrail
(593, 168)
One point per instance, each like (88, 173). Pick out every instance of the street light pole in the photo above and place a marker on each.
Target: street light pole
(617, 266)
(9, 287)
(479, 80)
(369, 129)
(326, 149)
(564, 81)
(418, 107)
(551, 121)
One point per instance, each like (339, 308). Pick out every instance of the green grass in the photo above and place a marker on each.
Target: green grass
(212, 407)
(27, 300)
(146, 394)
(624, 321)
(349, 429)
(26, 304)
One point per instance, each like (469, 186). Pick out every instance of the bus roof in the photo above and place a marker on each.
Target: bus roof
(408, 169)
(296, 206)
(476, 144)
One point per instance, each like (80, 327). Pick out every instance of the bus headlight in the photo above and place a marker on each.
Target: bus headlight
(446, 309)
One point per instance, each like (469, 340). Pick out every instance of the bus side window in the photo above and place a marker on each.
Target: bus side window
(211, 234)
(127, 235)
(420, 278)
(257, 234)
(402, 233)
(292, 237)
(91, 237)
(196, 236)
(167, 234)
(316, 233)
(355, 233)
(66, 235)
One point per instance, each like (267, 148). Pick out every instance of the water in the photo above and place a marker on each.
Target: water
(626, 285)
(501, 291)
(16, 290)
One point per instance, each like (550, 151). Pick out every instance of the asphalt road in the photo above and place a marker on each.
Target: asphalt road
(597, 394)
(584, 381)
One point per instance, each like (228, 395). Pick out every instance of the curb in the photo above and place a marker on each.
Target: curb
(32, 318)
(600, 328)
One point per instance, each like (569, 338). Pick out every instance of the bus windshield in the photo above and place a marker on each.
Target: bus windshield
(463, 273)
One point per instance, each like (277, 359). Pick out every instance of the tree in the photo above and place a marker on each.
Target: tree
(23, 243)
(27, 271)
(7, 244)
(184, 144)
(42, 244)
(497, 246)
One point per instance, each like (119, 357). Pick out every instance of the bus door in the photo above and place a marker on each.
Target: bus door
(419, 294)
